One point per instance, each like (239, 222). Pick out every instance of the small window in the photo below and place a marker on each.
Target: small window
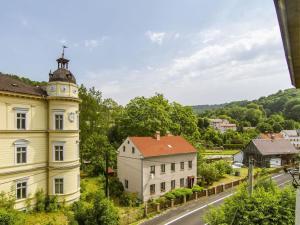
(181, 182)
(128, 142)
(133, 150)
(172, 184)
(190, 164)
(126, 184)
(21, 189)
(173, 167)
(58, 152)
(162, 168)
(152, 189)
(59, 121)
(21, 120)
(182, 165)
(21, 154)
(58, 185)
(124, 148)
(163, 187)
(152, 169)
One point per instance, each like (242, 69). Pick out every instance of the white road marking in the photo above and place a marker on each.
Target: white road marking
(277, 175)
(202, 207)
(211, 203)
(284, 182)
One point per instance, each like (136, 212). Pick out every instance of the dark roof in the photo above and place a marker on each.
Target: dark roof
(10, 84)
(62, 74)
(274, 147)
(167, 145)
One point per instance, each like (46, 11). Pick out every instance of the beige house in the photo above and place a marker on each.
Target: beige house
(222, 125)
(152, 166)
(39, 137)
(293, 136)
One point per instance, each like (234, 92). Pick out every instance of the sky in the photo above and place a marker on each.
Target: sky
(193, 51)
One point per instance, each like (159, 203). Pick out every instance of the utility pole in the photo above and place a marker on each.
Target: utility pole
(250, 176)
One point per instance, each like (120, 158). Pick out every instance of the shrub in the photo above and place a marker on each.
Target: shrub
(223, 167)
(161, 200)
(169, 195)
(10, 217)
(116, 187)
(197, 188)
(104, 213)
(40, 201)
(6, 201)
(81, 212)
(52, 203)
(129, 199)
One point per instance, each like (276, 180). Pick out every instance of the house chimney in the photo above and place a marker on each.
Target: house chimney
(157, 135)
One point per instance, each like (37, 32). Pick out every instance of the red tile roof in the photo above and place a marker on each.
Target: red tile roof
(167, 145)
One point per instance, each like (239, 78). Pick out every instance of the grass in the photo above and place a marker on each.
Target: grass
(43, 218)
(128, 215)
(219, 152)
(244, 173)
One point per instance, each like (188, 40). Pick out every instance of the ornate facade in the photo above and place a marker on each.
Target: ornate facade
(39, 137)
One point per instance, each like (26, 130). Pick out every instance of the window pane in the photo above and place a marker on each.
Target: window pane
(18, 124)
(23, 123)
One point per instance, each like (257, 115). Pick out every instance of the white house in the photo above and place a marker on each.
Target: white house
(152, 166)
(293, 136)
(222, 125)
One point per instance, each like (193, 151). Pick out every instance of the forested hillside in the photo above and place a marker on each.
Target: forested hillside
(272, 113)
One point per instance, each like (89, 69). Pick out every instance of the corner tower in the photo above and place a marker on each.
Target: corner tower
(63, 118)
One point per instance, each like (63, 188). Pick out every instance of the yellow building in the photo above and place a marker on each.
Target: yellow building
(39, 137)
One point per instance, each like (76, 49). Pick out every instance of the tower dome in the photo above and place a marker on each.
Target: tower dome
(62, 73)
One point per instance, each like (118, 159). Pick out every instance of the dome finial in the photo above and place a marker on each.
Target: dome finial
(63, 51)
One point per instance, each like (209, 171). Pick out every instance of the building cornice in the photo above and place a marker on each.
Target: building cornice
(39, 131)
(19, 95)
(62, 98)
(18, 169)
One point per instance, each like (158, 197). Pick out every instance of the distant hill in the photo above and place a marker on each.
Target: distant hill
(273, 103)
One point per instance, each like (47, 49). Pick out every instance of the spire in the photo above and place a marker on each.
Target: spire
(62, 62)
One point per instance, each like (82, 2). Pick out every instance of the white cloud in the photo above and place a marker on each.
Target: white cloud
(91, 43)
(156, 37)
(94, 43)
(225, 65)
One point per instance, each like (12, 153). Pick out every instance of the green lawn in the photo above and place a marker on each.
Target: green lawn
(53, 218)
(219, 152)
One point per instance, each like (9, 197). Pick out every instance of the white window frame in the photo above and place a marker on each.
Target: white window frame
(24, 111)
(58, 112)
(18, 182)
(63, 183)
(53, 151)
(21, 144)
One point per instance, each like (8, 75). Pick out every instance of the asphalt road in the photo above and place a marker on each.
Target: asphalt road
(192, 213)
